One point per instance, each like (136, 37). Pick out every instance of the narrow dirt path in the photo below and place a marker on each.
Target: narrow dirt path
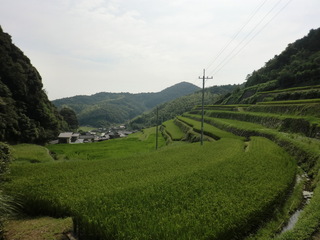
(41, 228)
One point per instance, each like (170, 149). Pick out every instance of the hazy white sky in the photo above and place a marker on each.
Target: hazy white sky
(89, 46)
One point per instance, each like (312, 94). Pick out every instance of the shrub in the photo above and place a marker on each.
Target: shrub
(5, 158)
(5, 201)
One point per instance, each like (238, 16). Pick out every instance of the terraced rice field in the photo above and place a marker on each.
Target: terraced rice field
(216, 191)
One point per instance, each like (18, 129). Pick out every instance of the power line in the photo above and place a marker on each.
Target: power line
(229, 58)
(157, 128)
(245, 38)
(235, 36)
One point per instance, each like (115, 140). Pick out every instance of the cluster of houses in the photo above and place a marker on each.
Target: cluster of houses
(92, 136)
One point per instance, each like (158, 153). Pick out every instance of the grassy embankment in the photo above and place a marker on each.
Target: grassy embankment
(294, 140)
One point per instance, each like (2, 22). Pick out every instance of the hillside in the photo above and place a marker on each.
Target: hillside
(26, 114)
(103, 109)
(296, 68)
(179, 106)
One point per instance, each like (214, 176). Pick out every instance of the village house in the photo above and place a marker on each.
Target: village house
(68, 137)
(88, 138)
(65, 137)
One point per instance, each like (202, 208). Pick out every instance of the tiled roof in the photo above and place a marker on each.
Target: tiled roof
(65, 135)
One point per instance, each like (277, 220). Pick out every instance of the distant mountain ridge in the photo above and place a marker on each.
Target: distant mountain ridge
(105, 108)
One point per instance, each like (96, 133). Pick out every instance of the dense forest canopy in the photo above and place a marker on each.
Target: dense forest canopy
(297, 65)
(26, 114)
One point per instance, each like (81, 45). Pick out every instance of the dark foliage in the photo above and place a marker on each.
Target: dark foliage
(70, 117)
(297, 65)
(26, 114)
(5, 158)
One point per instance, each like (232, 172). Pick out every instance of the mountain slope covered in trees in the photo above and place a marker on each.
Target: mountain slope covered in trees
(297, 66)
(26, 114)
(179, 106)
(103, 109)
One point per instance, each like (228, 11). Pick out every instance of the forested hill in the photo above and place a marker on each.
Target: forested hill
(297, 66)
(171, 109)
(103, 109)
(26, 114)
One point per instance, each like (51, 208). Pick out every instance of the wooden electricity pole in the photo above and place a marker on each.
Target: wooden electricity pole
(157, 130)
(202, 106)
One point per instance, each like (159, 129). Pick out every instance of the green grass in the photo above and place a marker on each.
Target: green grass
(31, 153)
(308, 109)
(141, 142)
(251, 116)
(308, 221)
(307, 152)
(209, 130)
(292, 89)
(234, 107)
(243, 128)
(306, 125)
(302, 101)
(173, 130)
(271, 229)
(214, 191)
(85, 128)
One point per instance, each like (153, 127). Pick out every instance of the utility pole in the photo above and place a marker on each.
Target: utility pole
(157, 130)
(202, 106)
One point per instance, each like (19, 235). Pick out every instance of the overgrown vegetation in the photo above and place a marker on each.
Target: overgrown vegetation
(6, 202)
(5, 158)
(70, 117)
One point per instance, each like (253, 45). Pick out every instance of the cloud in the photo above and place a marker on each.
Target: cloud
(87, 46)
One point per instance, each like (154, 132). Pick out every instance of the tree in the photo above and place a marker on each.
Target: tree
(70, 117)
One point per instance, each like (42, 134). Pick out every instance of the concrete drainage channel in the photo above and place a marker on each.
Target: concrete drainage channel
(307, 195)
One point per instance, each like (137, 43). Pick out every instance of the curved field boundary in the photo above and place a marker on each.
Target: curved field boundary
(293, 89)
(175, 133)
(312, 109)
(166, 135)
(307, 126)
(305, 149)
(209, 130)
(222, 107)
(31, 153)
(302, 101)
(215, 191)
(307, 153)
(190, 134)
